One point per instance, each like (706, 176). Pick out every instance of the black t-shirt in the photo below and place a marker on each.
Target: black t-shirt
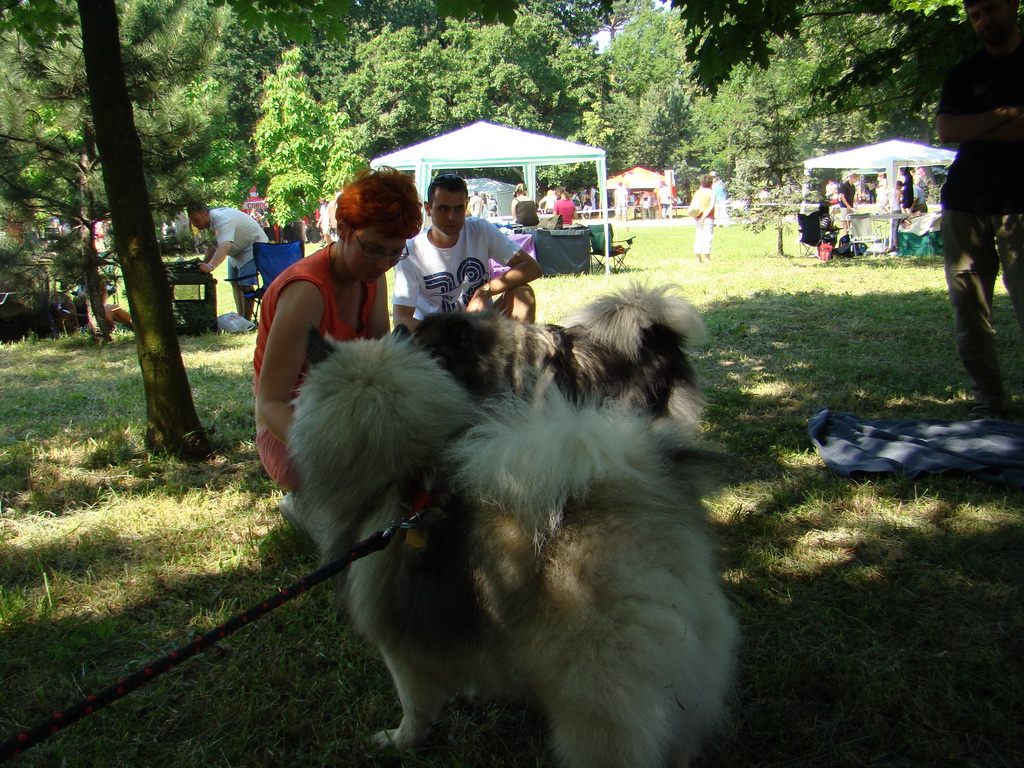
(847, 193)
(985, 177)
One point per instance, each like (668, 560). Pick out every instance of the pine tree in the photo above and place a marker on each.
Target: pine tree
(49, 163)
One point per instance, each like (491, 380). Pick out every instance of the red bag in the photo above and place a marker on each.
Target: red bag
(825, 251)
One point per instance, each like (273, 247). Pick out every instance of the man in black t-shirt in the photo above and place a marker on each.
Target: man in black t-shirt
(847, 199)
(982, 108)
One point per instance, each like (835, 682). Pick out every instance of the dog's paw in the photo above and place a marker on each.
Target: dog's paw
(385, 739)
(391, 740)
(398, 739)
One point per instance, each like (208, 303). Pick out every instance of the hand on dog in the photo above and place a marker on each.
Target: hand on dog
(480, 302)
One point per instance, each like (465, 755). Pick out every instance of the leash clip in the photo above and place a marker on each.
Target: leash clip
(413, 521)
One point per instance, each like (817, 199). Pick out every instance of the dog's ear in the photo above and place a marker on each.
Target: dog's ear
(460, 328)
(401, 332)
(317, 347)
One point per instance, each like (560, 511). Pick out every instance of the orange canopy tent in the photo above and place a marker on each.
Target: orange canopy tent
(638, 178)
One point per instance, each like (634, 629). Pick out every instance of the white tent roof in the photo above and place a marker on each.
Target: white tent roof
(884, 156)
(485, 145)
(888, 156)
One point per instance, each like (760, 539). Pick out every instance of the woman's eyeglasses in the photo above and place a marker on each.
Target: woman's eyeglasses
(376, 254)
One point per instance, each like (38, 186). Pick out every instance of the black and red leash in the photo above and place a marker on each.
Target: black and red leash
(29, 738)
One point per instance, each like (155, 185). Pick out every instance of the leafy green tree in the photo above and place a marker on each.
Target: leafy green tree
(580, 18)
(917, 41)
(646, 118)
(754, 132)
(615, 15)
(530, 75)
(86, 40)
(303, 146)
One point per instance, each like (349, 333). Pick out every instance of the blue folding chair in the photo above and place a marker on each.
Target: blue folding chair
(271, 260)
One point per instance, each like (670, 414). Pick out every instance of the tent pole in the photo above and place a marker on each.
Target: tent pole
(423, 171)
(602, 193)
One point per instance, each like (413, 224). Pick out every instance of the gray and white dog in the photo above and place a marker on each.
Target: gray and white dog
(629, 346)
(563, 558)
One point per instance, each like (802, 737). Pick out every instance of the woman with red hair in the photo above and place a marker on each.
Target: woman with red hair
(341, 290)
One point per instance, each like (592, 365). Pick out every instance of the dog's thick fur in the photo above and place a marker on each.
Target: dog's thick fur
(566, 559)
(629, 346)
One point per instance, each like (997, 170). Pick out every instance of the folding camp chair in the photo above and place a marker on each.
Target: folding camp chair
(271, 260)
(863, 235)
(617, 252)
(810, 233)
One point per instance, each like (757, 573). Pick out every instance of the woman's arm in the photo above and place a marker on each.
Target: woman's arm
(378, 325)
(299, 306)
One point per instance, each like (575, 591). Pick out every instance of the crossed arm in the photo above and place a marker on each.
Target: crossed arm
(1000, 124)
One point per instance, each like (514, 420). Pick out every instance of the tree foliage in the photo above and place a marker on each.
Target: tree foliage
(407, 89)
(303, 145)
(914, 44)
(49, 150)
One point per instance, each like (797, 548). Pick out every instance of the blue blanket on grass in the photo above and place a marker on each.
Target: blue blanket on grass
(987, 449)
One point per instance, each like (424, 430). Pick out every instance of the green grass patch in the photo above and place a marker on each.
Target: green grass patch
(882, 618)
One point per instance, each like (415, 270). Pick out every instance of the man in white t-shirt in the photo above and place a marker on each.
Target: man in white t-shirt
(448, 267)
(236, 231)
(665, 200)
(476, 205)
(621, 199)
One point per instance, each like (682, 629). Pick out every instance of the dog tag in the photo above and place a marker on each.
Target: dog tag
(416, 537)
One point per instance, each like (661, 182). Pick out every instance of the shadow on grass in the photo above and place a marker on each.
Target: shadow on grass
(295, 688)
(881, 617)
(881, 624)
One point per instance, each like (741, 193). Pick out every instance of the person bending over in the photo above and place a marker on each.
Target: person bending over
(341, 290)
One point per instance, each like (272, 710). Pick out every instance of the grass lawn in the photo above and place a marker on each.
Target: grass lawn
(882, 617)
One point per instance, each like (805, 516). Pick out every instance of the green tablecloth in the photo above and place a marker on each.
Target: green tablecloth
(928, 244)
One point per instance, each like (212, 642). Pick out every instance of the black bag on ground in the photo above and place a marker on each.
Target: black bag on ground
(847, 248)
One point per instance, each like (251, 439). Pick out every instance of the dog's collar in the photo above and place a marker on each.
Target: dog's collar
(415, 536)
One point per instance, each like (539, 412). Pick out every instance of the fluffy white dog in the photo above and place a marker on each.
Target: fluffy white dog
(563, 559)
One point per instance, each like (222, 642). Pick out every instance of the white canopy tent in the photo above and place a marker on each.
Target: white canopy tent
(888, 156)
(485, 145)
(499, 190)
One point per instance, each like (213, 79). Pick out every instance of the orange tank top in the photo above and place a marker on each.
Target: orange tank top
(315, 269)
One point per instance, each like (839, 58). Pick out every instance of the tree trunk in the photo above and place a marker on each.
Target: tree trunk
(173, 424)
(91, 280)
(779, 230)
(91, 277)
